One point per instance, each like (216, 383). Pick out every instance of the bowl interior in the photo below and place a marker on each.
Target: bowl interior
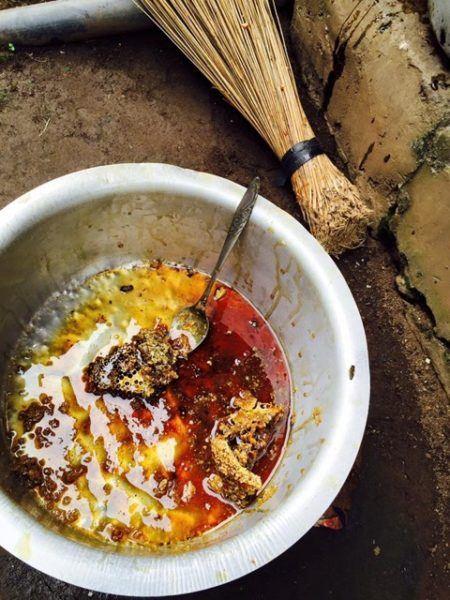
(78, 230)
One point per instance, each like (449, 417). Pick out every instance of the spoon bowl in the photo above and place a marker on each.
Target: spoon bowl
(191, 322)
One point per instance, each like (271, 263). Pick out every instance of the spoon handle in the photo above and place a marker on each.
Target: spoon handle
(240, 220)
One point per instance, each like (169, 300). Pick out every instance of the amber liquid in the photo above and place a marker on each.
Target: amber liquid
(136, 472)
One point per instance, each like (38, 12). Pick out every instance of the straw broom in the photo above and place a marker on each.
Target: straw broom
(239, 47)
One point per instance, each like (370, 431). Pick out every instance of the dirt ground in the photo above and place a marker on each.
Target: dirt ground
(135, 99)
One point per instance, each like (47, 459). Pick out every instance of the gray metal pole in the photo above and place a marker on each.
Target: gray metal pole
(69, 20)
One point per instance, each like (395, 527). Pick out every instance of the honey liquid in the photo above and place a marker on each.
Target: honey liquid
(135, 472)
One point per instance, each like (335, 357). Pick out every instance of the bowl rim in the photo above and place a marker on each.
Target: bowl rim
(95, 569)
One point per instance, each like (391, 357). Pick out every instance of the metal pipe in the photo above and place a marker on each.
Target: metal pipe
(69, 20)
(72, 20)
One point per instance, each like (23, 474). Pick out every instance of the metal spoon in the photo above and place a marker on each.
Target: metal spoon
(192, 321)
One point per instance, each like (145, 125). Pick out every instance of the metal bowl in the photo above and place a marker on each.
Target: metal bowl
(77, 225)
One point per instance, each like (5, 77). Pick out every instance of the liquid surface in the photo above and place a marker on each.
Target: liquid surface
(136, 471)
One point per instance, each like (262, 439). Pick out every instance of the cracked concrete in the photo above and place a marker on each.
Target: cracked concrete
(372, 64)
(421, 227)
(375, 71)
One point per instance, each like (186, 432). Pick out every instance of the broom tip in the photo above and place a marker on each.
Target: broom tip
(335, 212)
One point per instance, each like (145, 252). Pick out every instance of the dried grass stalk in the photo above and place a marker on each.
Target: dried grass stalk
(239, 47)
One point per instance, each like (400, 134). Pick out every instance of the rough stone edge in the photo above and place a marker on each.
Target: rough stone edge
(390, 205)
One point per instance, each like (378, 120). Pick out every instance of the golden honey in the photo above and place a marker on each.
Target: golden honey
(136, 471)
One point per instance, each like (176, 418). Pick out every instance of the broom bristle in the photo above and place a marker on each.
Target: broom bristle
(335, 213)
(238, 46)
